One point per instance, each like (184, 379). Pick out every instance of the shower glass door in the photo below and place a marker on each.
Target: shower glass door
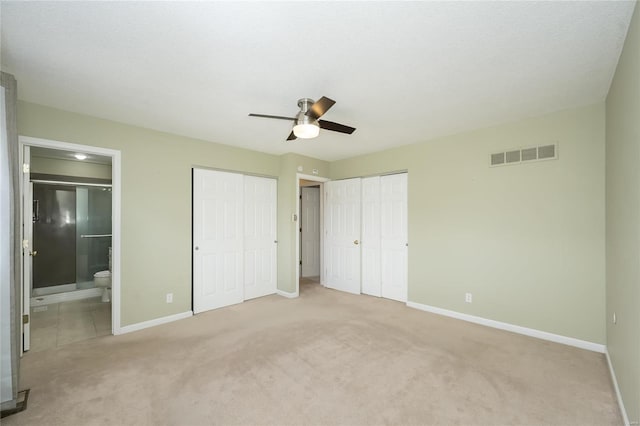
(54, 230)
(93, 233)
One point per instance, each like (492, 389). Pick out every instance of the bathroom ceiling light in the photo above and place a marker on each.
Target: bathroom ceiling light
(81, 156)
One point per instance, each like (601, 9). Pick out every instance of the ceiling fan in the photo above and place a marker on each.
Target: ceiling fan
(306, 123)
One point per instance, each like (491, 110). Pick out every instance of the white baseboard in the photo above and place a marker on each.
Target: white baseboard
(583, 344)
(153, 322)
(623, 411)
(287, 294)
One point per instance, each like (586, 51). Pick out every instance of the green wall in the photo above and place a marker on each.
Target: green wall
(59, 167)
(526, 240)
(623, 221)
(156, 200)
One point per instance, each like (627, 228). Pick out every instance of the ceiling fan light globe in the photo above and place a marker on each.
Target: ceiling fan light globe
(306, 130)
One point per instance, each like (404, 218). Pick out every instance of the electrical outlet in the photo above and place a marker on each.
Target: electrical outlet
(468, 297)
(169, 297)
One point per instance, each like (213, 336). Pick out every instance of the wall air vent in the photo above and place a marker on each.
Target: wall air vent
(529, 154)
(497, 159)
(546, 152)
(524, 155)
(513, 156)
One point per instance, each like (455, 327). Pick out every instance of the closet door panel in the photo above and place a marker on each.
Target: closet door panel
(217, 239)
(393, 236)
(371, 268)
(260, 246)
(342, 235)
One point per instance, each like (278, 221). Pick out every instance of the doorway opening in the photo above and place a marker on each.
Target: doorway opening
(309, 238)
(309, 228)
(71, 242)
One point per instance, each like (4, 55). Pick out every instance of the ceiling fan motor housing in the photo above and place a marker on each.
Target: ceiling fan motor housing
(305, 127)
(301, 117)
(305, 104)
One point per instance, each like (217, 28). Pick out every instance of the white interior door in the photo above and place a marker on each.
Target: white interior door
(217, 239)
(394, 241)
(27, 247)
(310, 231)
(342, 235)
(371, 269)
(260, 244)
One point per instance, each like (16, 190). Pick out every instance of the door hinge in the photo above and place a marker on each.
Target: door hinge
(25, 168)
(301, 262)
(25, 244)
(25, 319)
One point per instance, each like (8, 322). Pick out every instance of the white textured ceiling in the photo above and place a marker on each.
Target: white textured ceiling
(401, 72)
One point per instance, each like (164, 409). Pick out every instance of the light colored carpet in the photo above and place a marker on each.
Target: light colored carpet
(324, 358)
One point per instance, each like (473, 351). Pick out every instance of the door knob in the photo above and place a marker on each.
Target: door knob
(33, 253)
(356, 242)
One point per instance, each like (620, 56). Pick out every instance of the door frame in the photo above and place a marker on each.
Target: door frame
(321, 181)
(26, 197)
(116, 231)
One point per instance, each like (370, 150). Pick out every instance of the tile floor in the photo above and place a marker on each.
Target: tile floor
(68, 322)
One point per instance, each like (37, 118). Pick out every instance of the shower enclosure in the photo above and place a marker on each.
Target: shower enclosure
(71, 235)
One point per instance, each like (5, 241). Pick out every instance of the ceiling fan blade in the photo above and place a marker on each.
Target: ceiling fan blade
(321, 106)
(336, 127)
(279, 117)
(292, 137)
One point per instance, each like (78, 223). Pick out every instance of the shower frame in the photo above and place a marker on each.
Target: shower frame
(56, 289)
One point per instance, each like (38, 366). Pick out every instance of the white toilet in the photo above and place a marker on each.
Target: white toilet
(103, 279)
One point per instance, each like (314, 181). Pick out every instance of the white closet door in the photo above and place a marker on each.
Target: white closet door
(342, 228)
(394, 236)
(217, 239)
(260, 245)
(371, 269)
(310, 232)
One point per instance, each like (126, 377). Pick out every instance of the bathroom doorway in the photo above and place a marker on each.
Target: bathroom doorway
(72, 238)
(70, 234)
